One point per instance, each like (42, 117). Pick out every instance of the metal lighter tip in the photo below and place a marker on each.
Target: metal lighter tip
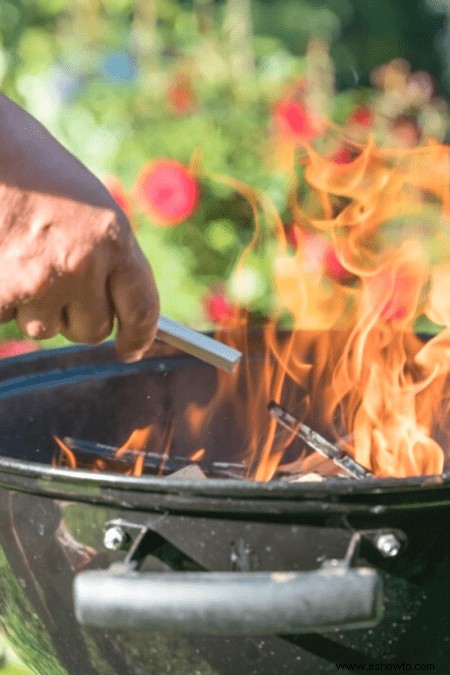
(197, 344)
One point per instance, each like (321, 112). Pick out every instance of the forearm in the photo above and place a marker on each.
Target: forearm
(32, 160)
(19, 132)
(37, 178)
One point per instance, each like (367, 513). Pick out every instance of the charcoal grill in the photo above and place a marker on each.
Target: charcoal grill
(103, 572)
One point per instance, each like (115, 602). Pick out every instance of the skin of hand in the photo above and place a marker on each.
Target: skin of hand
(69, 262)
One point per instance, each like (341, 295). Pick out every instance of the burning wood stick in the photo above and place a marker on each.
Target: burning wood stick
(87, 452)
(197, 344)
(319, 443)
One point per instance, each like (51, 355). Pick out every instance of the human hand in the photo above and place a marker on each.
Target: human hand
(69, 262)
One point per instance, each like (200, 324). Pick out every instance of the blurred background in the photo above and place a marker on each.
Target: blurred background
(191, 112)
(217, 90)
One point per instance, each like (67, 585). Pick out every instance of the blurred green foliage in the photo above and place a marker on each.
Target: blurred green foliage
(364, 33)
(10, 664)
(120, 82)
(24, 631)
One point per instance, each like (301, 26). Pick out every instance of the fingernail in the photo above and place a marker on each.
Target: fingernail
(35, 329)
(131, 357)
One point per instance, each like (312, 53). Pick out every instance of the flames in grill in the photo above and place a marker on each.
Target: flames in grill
(370, 258)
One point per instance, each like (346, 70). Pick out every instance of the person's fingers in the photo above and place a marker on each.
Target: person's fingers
(89, 319)
(22, 279)
(135, 299)
(41, 318)
(7, 313)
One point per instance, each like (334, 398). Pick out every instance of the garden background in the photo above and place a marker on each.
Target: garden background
(217, 95)
(221, 87)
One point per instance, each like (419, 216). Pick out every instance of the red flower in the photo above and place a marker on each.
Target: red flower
(294, 235)
(16, 347)
(292, 119)
(333, 266)
(180, 99)
(362, 116)
(394, 292)
(343, 155)
(218, 309)
(396, 307)
(119, 194)
(167, 191)
(314, 250)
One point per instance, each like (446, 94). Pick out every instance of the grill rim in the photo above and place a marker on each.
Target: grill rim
(336, 487)
(26, 371)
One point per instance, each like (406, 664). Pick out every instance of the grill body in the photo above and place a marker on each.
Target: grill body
(53, 520)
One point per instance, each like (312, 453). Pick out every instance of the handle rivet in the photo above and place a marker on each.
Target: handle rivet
(115, 538)
(388, 545)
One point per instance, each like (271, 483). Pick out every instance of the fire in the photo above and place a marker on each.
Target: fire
(141, 439)
(197, 455)
(67, 457)
(353, 367)
(138, 440)
(131, 454)
(368, 260)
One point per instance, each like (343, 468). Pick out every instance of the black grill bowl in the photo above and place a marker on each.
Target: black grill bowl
(220, 576)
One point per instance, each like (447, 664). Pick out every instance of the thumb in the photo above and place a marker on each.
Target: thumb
(134, 297)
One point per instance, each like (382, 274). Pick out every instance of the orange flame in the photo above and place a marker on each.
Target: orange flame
(67, 456)
(137, 440)
(371, 259)
(197, 455)
(359, 370)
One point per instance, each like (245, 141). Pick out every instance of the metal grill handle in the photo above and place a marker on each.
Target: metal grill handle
(230, 603)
